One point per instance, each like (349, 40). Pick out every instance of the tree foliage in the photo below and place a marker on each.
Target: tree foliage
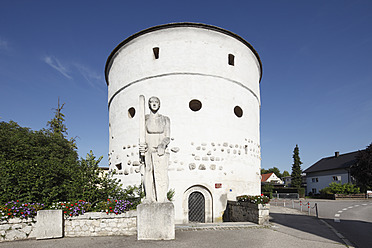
(285, 174)
(43, 166)
(362, 170)
(56, 125)
(89, 182)
(34, 165)
(339, 188)
(296, 169)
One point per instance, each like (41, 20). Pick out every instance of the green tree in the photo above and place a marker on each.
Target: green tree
(91, 184)
(34, 165)
(56, 125)
(362, 170)
(285, 174)
(296, 169)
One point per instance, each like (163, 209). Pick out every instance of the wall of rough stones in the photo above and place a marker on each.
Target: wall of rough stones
(89, 224)
(246, 211)
(16, 229)
(101, 224)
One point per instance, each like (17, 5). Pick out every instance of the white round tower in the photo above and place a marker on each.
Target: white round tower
(207, 80)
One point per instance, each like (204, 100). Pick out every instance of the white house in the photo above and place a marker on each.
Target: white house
(271, 178)
(207, 80)
(328, 170)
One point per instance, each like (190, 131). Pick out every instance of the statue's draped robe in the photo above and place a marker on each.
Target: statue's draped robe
(156, 166)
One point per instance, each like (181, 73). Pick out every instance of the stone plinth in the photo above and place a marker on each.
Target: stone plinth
(49, 224)
(155, 221)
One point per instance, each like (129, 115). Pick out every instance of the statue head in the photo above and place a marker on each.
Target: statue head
(154, 104)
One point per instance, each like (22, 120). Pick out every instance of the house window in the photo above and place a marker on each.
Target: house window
(313, 190)
(336, 178)
(314, 179)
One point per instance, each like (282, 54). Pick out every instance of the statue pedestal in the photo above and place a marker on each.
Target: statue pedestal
(155, 221)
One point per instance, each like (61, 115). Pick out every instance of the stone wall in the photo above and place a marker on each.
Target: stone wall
(16, 229)
(101, 224)
(247, 212)
(89, 224)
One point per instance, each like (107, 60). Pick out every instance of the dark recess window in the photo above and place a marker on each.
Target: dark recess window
(156, 52)
(195, 105)
(231, 59)
(238, 111)
(131, 112)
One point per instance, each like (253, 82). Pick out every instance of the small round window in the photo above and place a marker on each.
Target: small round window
(238, 111)
(195, 105)
(131, 112)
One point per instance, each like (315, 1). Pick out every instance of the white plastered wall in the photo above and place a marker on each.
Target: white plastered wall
(214, 145)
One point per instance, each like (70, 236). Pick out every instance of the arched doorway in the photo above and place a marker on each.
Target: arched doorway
(196, 206)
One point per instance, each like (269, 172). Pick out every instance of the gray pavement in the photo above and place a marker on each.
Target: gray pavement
(288, 228)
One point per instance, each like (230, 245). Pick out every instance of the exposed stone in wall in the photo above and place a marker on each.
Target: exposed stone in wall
(246, 211)
(101, 224)
(16, 229)
(89, 224)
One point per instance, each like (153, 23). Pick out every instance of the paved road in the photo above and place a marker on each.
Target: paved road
(351, 218)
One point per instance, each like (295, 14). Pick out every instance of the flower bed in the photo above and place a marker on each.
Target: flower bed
(16, 209)
(255, 199)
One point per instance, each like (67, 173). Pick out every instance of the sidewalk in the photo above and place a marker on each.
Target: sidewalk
(288, 228)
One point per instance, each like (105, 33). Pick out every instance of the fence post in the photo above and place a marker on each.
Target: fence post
(316, 210)
(308, 207)
(292, 203)
(284, 203)
(301, 205)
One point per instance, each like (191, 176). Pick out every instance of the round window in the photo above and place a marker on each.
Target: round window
(131, 112)
(195, 105)
(238, 111)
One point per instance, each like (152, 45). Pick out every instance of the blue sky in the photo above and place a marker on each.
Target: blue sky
(316, 88)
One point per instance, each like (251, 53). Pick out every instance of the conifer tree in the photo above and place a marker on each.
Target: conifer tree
(296, 169)
(56, 125)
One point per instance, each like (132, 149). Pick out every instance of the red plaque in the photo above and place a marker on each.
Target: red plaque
(218, 185)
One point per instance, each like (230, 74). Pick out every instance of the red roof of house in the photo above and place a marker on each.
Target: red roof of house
(266, 176)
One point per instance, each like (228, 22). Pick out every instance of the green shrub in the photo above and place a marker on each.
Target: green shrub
(268, 194)
(301, 192)
(170, 194)
(339, 188)
(267, 188)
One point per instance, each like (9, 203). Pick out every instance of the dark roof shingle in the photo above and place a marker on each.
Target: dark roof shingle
(343, 161)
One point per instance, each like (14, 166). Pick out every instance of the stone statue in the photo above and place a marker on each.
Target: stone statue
(154, 139)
